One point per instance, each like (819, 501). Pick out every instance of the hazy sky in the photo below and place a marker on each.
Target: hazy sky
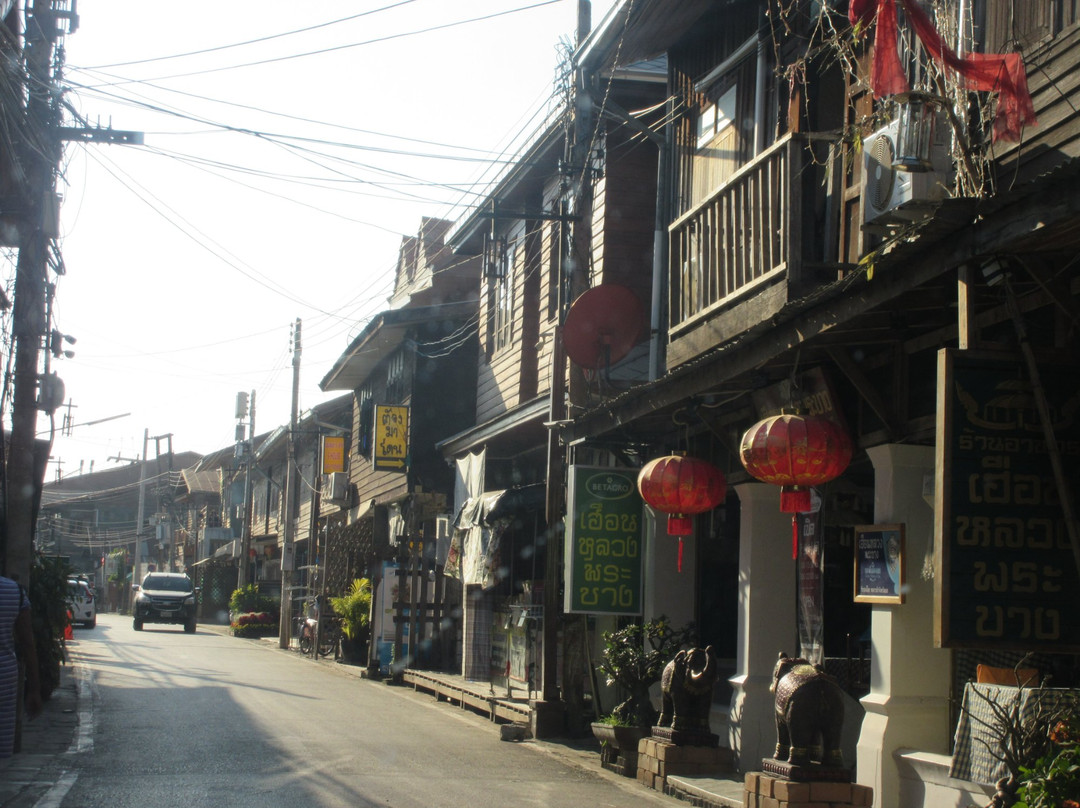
(288, 148)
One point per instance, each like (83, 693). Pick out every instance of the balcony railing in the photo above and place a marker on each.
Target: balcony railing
(744, 234)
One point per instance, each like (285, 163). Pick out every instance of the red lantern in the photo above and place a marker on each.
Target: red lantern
(795, 452)
(681, 487)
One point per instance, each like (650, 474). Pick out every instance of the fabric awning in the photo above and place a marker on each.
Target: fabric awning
(228, 549)
(478, 529)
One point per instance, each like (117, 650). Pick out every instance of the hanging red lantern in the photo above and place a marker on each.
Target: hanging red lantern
(795, 452)
(681, 487)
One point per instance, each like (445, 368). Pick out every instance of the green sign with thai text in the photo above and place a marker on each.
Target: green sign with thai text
(603, 541)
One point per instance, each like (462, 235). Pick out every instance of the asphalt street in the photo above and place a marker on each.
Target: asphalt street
(164, 718)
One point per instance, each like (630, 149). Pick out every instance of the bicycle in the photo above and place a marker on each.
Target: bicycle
(329, 630)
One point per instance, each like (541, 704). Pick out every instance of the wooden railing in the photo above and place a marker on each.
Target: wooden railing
(748, 230)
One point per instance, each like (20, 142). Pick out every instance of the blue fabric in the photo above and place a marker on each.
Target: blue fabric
(12, 601)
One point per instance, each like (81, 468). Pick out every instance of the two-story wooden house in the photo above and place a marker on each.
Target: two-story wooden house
(814, 260)
(574, 211)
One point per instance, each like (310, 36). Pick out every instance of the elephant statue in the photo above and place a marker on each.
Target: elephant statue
(686, 688)
(809, 713)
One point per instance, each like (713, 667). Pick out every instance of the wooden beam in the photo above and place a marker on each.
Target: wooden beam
(866, 389)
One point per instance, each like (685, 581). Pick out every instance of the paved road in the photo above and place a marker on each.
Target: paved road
(177, 719)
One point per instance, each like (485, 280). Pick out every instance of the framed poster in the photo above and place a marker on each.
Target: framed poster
(879, 564)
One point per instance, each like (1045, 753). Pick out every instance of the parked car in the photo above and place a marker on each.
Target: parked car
(82, 603)
(165, 597)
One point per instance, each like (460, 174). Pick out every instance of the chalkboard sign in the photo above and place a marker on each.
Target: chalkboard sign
(1006, 577)
(603, 541)
(879, 564)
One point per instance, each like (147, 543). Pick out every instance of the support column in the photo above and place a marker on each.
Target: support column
(668, 591)
(767, 620)
(909, 681)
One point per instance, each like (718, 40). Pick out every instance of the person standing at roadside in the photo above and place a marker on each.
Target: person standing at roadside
(16, 639)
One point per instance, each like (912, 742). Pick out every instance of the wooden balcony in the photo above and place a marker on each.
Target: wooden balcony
(752, 245)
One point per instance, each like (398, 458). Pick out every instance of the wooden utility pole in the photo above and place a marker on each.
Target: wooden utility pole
(287, 549)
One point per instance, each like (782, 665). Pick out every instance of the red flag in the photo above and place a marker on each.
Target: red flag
(986, 72)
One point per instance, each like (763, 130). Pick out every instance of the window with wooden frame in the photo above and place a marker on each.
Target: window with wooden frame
(365, 426)
(502, 314)
(395, 378)
(724, 121)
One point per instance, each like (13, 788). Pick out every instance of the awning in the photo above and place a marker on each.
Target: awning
(491, 506)
(230, 549)
(478, 530)
(224, 553)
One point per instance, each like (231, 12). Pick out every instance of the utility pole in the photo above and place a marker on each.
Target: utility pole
(287, 549)
(573, 279)
(38, 155)
(136, 557)
(245, 453)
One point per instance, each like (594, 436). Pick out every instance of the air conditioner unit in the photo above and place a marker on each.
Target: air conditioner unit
(336, 487)
(892, 196)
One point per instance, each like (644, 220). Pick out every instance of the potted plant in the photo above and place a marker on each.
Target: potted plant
(354, 609)
(633, 661)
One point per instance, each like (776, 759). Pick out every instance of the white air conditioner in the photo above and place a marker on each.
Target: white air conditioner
(891, 196)
(336, 487)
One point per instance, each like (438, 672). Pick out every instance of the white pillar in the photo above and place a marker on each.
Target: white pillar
(667, 590)
(767, 620)
(908, 702)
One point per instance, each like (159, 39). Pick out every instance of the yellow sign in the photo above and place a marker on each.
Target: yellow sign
(333, 453)
(391, 437)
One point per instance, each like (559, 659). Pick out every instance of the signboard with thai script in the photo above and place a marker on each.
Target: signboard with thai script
(333, 453)
(390, 450)
(1006, 576)
(603, 541)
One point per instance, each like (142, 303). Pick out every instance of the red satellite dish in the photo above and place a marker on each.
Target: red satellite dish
(602, 326)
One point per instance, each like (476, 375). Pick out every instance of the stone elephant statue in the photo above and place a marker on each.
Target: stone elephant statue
(686, 690)
(809, 713)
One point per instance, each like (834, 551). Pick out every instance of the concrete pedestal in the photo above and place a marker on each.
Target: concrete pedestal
(547, 719)
(768, 791)
(657, 760)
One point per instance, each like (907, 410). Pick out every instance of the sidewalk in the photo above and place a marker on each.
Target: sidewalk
(28, 775)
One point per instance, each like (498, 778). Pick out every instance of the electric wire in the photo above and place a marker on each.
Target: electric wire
(351, 45)
(260, 40)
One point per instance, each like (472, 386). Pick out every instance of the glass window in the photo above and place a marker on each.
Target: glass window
(715, 117)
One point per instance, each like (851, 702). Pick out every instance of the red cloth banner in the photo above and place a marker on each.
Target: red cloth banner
(985, 72)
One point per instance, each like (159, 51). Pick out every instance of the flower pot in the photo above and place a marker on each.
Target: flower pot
(619, 747)
(354, 652)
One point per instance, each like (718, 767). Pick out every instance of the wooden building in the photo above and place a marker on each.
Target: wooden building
(411, 373)
(802, 268)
